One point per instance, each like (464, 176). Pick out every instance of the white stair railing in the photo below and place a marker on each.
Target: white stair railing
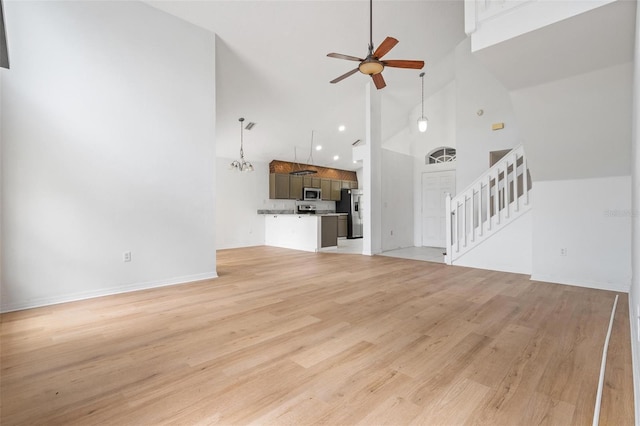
(496, 198)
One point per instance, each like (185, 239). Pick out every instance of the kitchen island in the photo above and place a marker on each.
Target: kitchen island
(307, 232)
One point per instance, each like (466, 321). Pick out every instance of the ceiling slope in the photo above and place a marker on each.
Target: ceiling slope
(273, 70)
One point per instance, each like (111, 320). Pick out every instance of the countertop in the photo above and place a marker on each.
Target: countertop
(292, 212)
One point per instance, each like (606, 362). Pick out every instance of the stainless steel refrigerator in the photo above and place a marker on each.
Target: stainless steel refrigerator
(351, 203)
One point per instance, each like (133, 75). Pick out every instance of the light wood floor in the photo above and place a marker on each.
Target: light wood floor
(286, 337)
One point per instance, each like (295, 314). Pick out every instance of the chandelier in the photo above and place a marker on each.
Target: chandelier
(241, 165)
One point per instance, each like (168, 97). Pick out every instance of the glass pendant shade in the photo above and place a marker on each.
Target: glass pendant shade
(246, 166)
(423, 123)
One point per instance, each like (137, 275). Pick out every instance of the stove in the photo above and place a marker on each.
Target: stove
(306, 208)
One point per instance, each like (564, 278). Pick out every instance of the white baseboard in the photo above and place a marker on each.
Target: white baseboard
(600, 285)
(635, 357)
(74, 297)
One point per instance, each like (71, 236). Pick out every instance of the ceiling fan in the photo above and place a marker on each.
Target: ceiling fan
(373, 65)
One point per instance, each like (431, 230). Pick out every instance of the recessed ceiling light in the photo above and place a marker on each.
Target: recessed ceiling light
(355, 161)
(336, 157)
(341, 128)
(318, 147)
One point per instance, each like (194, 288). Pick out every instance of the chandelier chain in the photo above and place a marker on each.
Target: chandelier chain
(241, 139)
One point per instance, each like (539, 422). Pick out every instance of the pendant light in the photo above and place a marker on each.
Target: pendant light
(422, 121)
(241, 165)
(306, 171)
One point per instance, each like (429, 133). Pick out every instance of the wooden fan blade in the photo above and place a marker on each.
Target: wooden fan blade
(385, 47)
(378, 80)
(341, 56)
(343, 76)
(400, 63)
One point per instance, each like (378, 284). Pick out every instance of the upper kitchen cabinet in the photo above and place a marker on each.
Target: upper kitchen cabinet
(284, 183)
(336, 187)
(311, 182)
(278, 186)
(325, 186)
(295, 187)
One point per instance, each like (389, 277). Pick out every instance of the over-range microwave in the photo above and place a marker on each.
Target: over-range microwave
(311, 194)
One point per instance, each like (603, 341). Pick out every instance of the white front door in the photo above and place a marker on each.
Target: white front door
(435, 186)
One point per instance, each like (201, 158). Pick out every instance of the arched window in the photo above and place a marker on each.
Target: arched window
(441, 155)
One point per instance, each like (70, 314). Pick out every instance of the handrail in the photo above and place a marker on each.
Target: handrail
(519, 148)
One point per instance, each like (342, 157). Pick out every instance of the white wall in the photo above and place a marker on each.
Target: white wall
(108, 146)
(590, 219)
(240, 195)
(440, 109)
(508, 250)
(579, 127)
(371, 153)
(397, 200)
(634, 293)
(477, 89)
(500, 21)
(576, 133)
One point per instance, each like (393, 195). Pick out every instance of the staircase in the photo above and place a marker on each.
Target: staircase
(490, 203)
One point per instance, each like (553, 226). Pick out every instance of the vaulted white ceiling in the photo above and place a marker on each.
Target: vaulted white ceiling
(272, 69)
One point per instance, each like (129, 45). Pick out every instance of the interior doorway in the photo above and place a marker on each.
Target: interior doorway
(435, 186)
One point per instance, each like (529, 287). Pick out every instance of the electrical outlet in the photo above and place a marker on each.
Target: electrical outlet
(126, 256)
(563, 252)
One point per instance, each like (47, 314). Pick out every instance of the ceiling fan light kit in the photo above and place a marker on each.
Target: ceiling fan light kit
(241, 165)
(373, 65)
(370, 67)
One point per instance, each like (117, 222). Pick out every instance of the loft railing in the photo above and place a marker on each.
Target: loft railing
(494, 199)
(479, 11)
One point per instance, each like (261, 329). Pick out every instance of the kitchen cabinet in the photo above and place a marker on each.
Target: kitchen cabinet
(349, 184)
(308, 232)
(342, 226)
(289, 187)
(325, 186)
(295, 187)
(311, 182)
(336, 187)
(278, 186)
(298, 232)
(329, 231)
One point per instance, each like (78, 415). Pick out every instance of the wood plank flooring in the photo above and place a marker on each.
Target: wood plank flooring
(287, 337)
